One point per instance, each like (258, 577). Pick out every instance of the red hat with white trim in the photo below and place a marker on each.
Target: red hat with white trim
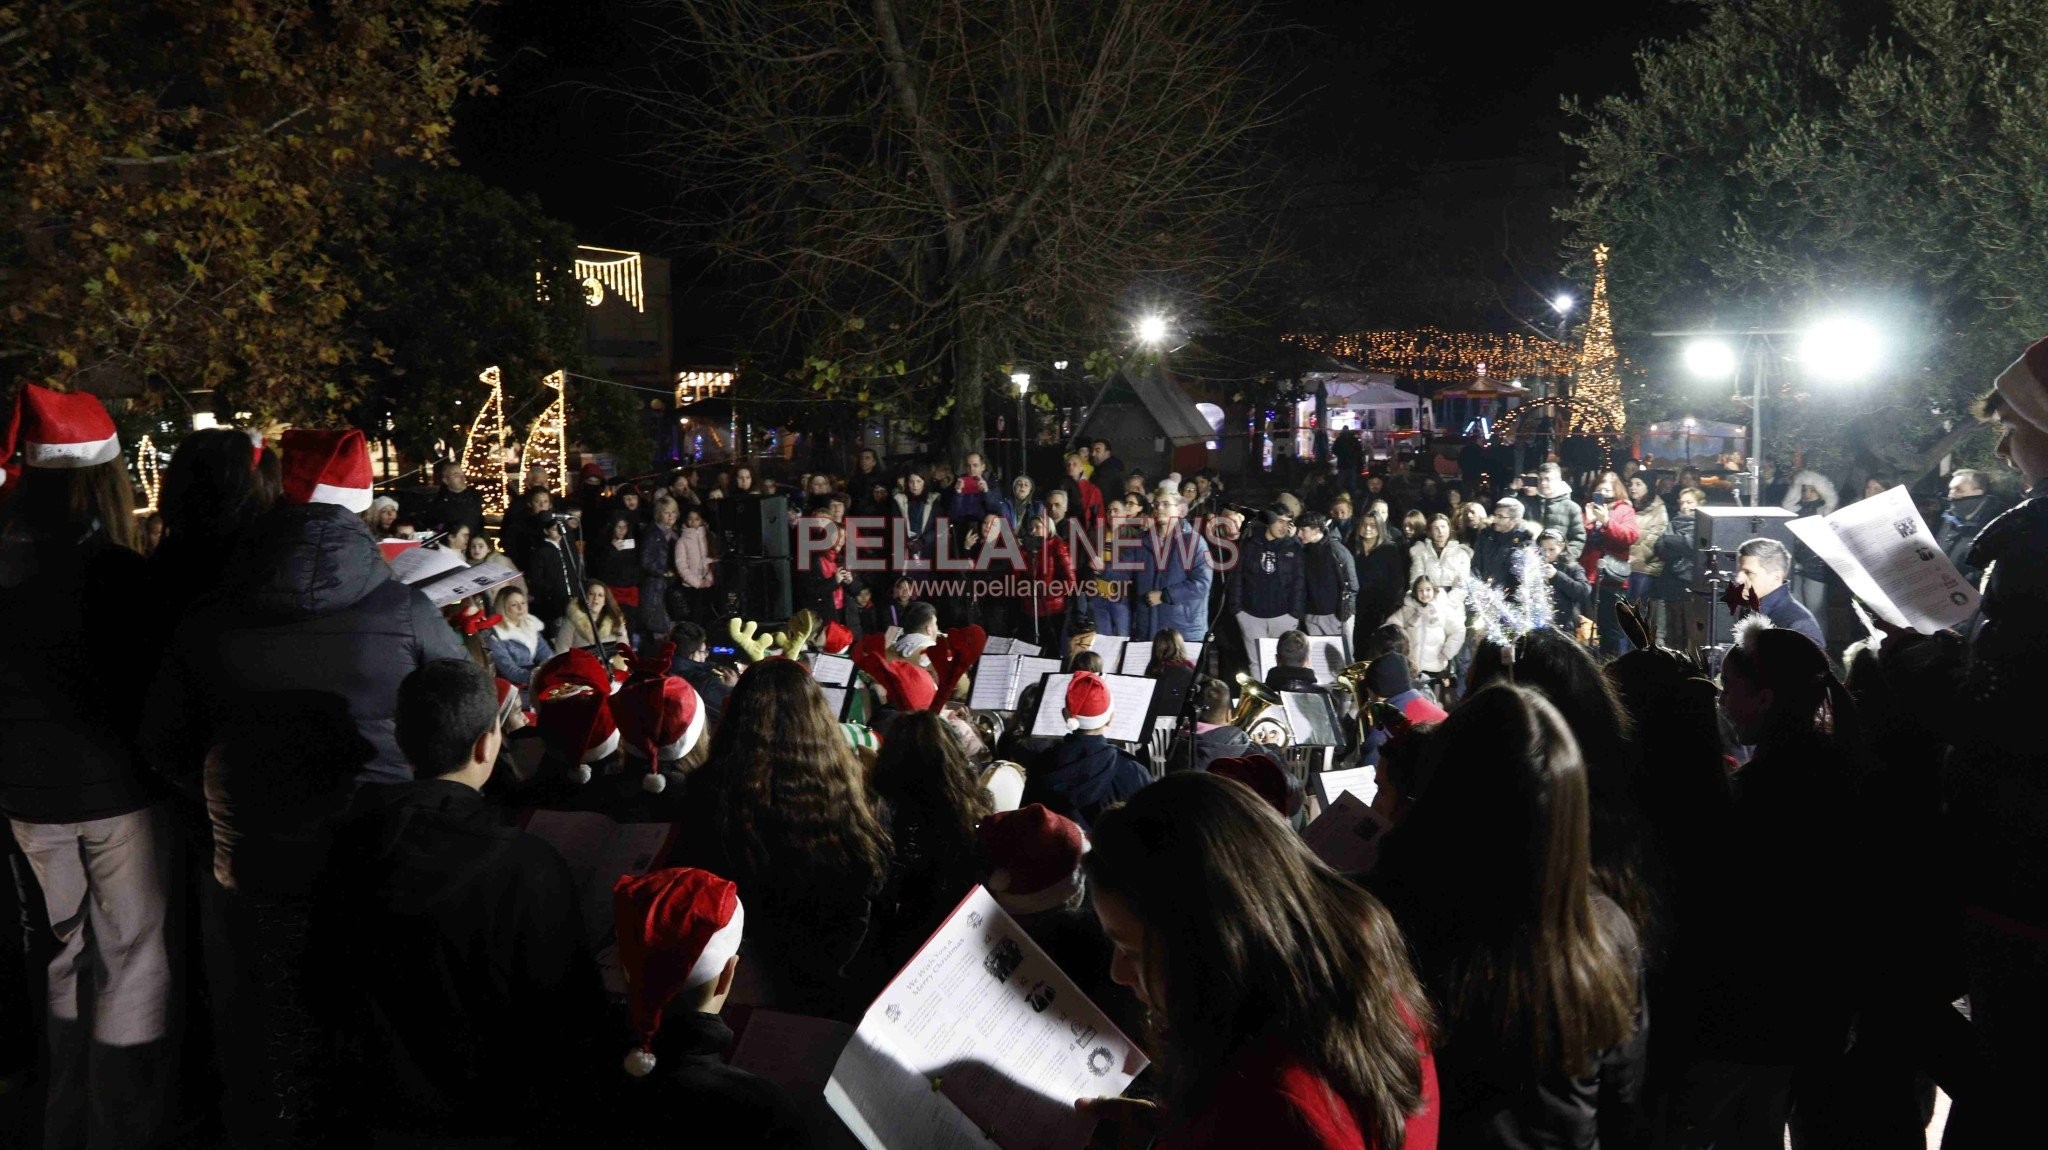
(1265, 776)
(661, 720)
(2024, 385)
(576, 724)
(837, 638)
(1087, 702)
(1034, 858)
(323, 466)
(677, 929)
(62, 429)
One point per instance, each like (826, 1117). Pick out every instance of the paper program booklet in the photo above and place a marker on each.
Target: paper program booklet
(980, 1039)
(1882, 549)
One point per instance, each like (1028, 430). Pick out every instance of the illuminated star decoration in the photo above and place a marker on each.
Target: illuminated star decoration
(483, 452)
(548, 444)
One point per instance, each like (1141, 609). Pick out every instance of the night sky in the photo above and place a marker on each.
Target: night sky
(1396, 104)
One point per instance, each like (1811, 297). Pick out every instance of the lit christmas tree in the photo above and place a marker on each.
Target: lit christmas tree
(1596, 407)
(483, 453)
(548, 443)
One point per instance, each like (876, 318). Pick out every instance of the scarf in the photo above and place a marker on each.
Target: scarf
(528, 634)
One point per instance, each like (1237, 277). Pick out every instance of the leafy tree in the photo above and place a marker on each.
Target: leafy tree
(457, 275)
(178, 181)
(1782, 160)
(916, 193)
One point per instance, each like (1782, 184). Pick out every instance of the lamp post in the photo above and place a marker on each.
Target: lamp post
(1022, 381)
(1834, 350)
(1151, 332)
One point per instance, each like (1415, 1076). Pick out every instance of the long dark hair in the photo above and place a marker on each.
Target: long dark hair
(782, 786)
(212, 488)
(1807, 698)
(923, 772)
(1255, 939)
(60, 506)
(1493, 874)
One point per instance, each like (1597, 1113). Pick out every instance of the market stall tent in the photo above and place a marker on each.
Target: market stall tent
(1366, 402)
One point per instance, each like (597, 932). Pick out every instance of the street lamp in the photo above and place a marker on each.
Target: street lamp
(1022, 381)
(1839, 349)
(1563, 303)
(1152, 329)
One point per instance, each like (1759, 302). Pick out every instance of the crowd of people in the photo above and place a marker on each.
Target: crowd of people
(283, 866)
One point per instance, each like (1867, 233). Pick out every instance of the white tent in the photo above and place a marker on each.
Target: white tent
(1367, 402)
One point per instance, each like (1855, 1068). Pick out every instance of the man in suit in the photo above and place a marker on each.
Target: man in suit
(1762, 567)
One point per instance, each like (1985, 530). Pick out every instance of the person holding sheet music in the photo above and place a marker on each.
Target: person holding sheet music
(1285, 1013)
(1084, 773)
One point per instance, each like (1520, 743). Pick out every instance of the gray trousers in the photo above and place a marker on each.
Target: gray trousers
(1323, 625)
(105, 884)
(1255, 628)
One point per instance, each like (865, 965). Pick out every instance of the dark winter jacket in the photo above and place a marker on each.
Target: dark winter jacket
(692, 1083)
(1996, 778)
(1269, 581)
(1493, 557)
(520, 533)
(710, 688)
(1382, 584)
(1082, 775)
(1961, 523)
(446, 510)
(1330, 579)
(1224, 742)
(1570, 593)
(68, 704)
(460, 964)
(1679, 548)
(552, 581)
(1784, 611)
(307, 606)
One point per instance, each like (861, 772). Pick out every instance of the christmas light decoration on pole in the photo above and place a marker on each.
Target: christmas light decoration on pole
(147, 477)
(483, 452)
(548, 442)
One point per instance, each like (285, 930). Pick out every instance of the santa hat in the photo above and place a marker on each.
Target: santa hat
(2024, 386)
(837, 638)
(677, 928)
(907, 686)
(1265, 776)
(956, 653)
(1034, 858)
(576, 665)
(327, 467)
(61, 429)
(660, 719)
(576, 723)
(1087, 702)
(1004, 782)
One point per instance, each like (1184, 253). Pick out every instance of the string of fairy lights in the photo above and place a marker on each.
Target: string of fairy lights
(1432, 355)
(483, 450)
(1594, 407)
(547, 442)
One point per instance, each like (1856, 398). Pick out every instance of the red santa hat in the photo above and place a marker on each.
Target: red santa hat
(908, 687)
(837, 638)
(1034, 858)
(322, 466)
(661, 720)
(956, 653)
(2024, 386)
(1265, 776)
(575, 721)
(60, 429)
(578, 665)
(1087, 702)
(677, 928)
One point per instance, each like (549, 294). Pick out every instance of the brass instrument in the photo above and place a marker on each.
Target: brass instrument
(1254, 699)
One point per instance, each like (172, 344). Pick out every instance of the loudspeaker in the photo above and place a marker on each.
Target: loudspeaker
(766, 589)
(759, 525)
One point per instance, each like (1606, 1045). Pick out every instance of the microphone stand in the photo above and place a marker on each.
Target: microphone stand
(1184, 723)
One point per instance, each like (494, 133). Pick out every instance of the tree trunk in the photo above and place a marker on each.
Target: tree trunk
(966, 421)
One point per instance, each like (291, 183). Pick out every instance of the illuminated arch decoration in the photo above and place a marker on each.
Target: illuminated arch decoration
(692, 386)
(483, 452)
(613, 270)
(548, 443)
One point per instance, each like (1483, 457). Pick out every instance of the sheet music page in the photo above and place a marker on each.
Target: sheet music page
(832, 670)
(1312, 719)
(1047, 723)
(1815, 533)
(981, 1038)
(1111, 648)
(1359, 781)
(995, 683)
(1347, 834)
(1887, 536)
(419, 564)
(1030, 668)
(1137, 655)
(469, 581)
(835, 700)
(999, 645)
(1264, 658)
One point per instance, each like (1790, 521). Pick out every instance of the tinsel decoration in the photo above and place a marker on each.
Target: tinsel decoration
(1509, 617)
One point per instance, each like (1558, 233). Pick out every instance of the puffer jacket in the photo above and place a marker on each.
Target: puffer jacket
(307, 608)
(68, 707)
(1651, 524)
(1450, 569)
(1431, 644)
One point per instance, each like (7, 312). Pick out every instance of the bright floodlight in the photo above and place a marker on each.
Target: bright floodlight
(1059, 365)
(1710, 359)
(1152, 329)
(1563, 303)
(1840, 349)
(1022, 379)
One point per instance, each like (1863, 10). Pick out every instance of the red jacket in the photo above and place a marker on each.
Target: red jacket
(1053, 565)
(1613, 540)
(1271, 1101)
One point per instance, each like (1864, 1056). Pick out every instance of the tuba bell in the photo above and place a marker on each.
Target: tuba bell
(1353, 678)
(1254, 699)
